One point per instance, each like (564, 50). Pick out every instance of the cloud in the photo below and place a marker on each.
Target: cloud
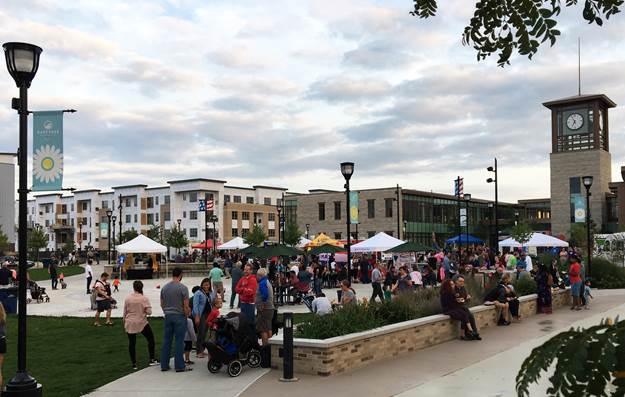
(378, 54)
(344, 88)
(240, 57)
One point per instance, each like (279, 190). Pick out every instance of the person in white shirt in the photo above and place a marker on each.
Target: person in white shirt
(321, 305)
(295, 269)
(528, 263)
(88, 275)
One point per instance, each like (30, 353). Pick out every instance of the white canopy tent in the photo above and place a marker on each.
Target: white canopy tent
(236, 243)
(378, 243)
(141, 245)
(536, 240)
(303, 241)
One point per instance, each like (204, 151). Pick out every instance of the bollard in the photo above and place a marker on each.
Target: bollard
(287, 352)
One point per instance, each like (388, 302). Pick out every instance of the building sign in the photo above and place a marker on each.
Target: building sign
(353, 208)
(47, 151)
(104, 230)
(463, 217)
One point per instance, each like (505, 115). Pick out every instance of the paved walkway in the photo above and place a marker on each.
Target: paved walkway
(484, 369)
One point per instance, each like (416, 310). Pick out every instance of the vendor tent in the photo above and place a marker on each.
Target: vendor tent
(322, 239)
(236, 243)
(303, 241)
(207, 244)
(378, 243)
(536, 240)
(270, 251)
(410, 246)
(141, 245)
(464, 239)
(326, 249)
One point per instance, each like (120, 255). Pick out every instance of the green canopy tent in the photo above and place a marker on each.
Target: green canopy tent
(250, 250)
(409, 246)
(326, 249)
(271, 250)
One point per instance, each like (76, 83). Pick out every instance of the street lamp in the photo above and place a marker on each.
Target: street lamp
(405, 225)
(279, 209)
(397, 200)
(307, 230)
(495, 180)
(587, 180)
(516, 217)
(113, 218)
(109, 214)
(80, 234)
(179, 221)
(490, 227)
(347, 169)
(120, 219)
(22, 61)
(467, 198)
(213, 219)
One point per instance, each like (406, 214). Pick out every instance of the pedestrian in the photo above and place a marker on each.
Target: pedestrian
(246, 288)
(5, 275)
(3, 338)
(137, 308)
(175, 305)
(88, 276)
(116, 284)
(264, 314)
(216, 276)
(587, 294)
(575, 280)
(544, 281)
(376, 282)
(189, 337)
(53, 274)
(103, 299)
(236, 274)
(202, 299)
(416, 277)
(404, 282)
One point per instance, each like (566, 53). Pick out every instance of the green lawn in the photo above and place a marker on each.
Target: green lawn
(42, 274)
(70, 357)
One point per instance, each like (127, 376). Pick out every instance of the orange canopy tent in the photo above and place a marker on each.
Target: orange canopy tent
(323, 239)
(208, 244)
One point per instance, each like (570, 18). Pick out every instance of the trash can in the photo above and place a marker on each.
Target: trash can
(8, 298)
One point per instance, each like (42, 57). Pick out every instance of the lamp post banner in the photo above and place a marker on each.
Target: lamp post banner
(47, 150)
(579, 206)
(353, 208)
(104, 230)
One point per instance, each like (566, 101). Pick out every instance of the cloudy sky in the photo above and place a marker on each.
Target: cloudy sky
(280, 92)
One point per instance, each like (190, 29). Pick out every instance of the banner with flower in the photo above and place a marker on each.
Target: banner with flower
(47, 151)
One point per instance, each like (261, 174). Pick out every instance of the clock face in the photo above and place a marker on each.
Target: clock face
(575, 121)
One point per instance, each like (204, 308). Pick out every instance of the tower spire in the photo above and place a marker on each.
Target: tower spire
(579, 67)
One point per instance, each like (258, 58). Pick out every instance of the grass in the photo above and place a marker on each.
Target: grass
(70, 357)
(42, 274)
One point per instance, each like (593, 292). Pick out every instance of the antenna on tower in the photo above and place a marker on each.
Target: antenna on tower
(579, 67)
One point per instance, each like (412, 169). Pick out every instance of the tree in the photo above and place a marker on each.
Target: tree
(175, 238)
(127, 236)
(292, 234)
(154, 232)
(36, 239)
(256, 236)
(521, 232)
(4, 241)
(504, 26)
(578, 235)
(69, 246)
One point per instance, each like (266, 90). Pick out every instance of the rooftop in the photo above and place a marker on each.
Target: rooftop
(580, 98)
(128, 186)
(197, 180)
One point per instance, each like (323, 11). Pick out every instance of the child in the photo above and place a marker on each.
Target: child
(211, 319)
(62, 281)
(188, 341)
(587, 295)
(116, 283)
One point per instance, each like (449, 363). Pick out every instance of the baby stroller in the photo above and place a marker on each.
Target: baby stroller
(37, 293)
(235, 345)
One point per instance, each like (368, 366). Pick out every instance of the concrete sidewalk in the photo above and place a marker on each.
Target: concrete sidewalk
(485, 368)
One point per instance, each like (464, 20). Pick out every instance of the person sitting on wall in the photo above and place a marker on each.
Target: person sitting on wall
(452, 305)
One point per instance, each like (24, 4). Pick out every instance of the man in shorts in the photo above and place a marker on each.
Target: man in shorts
(216, 276)
(103, 299)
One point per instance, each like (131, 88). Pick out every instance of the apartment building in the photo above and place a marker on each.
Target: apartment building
(82, 216)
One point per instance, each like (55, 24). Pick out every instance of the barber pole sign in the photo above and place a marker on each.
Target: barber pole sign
(459, 187)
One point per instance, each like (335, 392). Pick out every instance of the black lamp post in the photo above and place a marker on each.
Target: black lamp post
(587, 180)
(397, 200)
(80, 235)
(179, 221)
(22, 61)
(347, 169)
(279, 209)
(516, 217)
(467, 199)
(214, 219)
(405, 226)
(113, 218)
(109, 214)
(495, 181)
(491, 241)
(120, 219)
(307, 230)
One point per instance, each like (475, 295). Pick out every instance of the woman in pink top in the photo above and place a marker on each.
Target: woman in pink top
(137, 308)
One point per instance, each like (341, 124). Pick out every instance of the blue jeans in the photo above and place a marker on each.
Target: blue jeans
(248, 310)
(175, 327)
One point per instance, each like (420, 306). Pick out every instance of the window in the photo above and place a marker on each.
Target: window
(47, 223)
(271, 233)
(184, 214)
(72, 222)
(249, 200)
(135, 218)
(235, 215)
(193, 197)
(267, 200)
(85, 205)
(128, 218)
(258, 217)
(245, 216)
(244, 232)
(184, 197)
(156, 217)
(193, 215)
(84, 236)
(371, 208)
(72, 208)
(237, 199)
(235, 232)
(272, 217)
(370, 234)
(193, 232)
(166, 216)
(167, 199)
(337, 235)
(127, 202)
(337, 210)
(388, 207)
(156, 200)
(150, 219)
(64, 209)
(105, 204)
(322, 211)
(226, 198)
(47, 209)
(150, 202)
(135, 201)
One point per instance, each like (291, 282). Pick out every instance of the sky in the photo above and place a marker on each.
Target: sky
(280, 92)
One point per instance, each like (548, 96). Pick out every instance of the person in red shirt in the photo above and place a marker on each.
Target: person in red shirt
(575, 279)
(246, 288)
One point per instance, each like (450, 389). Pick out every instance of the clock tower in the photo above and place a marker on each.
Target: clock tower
(580, 146)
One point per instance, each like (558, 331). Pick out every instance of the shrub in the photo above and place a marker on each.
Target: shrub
(525, 285)
(606, 274)
(347, 320)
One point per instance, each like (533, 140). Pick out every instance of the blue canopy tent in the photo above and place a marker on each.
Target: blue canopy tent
(464, 239)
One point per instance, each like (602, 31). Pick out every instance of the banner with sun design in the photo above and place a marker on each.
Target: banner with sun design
(47, 151)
